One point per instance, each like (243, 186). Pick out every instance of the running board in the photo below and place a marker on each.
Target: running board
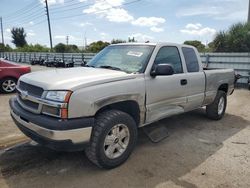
(156, 132)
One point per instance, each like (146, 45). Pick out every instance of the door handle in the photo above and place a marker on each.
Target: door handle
(184, 82)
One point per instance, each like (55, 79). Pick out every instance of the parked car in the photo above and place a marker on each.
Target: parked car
(9, 74)
(100, 107)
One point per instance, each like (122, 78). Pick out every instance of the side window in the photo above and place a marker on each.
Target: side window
(170, 55)
(191, 59)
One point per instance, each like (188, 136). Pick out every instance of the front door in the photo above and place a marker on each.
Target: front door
(166, 95)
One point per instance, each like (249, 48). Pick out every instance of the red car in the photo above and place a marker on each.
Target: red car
(9, 74)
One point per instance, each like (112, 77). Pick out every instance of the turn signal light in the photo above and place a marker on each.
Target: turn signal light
(64, 113)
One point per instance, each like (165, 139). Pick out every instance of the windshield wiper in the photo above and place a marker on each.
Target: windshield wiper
(110, 67)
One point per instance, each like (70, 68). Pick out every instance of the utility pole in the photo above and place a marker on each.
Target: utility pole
(67, 40)
(85, 41)
(50, 37)
(1, 20)
(248, 13)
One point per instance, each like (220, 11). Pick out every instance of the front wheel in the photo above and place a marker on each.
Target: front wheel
(8, 85)
(113, 139)
(217, 109)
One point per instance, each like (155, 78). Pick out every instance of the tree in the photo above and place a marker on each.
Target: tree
(18, 36)
(39, 48)
(220, 42)
(62, 48)
(117, 41)
(72, 48)
(32, 48)
(131, 39)
(95, 47)
(2, 47)
(235, 39)
(5, 48)
(8, 48)
(211, 45)
(200, 47)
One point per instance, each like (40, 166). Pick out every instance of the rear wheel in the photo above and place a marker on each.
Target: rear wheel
(217, 109)
(113, 139)
(8, 85)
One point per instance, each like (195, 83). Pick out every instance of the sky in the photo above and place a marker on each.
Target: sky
(145, 20)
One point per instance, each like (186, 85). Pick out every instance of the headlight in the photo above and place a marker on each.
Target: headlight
(60, 96)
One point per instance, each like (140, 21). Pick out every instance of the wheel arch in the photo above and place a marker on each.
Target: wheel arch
(127, 104)
(13, 77)
(223, 87)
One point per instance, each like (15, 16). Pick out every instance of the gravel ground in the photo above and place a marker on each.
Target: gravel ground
(198, 153)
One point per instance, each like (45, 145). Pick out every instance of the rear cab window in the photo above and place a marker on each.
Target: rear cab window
(191, 59)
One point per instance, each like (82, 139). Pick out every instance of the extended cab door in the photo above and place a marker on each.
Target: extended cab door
(195, 78)
(166, 95)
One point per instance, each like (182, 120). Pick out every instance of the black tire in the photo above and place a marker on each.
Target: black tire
(212, 110)
(105, 121)
(3, 88)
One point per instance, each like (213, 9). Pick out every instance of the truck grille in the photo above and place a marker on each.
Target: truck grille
(29, 104)
(31, 89)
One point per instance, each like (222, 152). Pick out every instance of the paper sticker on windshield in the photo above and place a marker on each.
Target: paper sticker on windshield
(136, 54)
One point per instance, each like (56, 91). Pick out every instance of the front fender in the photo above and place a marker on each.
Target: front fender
(87, 101)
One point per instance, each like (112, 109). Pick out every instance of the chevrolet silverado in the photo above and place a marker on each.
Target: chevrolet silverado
(99, 108)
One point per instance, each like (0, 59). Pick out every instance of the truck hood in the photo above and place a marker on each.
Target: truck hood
(74, 78)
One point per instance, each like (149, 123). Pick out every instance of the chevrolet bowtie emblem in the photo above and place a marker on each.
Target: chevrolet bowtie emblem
(24, 94)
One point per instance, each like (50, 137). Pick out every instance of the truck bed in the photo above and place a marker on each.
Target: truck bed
(216, 78)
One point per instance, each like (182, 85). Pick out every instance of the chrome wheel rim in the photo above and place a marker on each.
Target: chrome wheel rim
(221, 105)
(116, 141)
(9, 85)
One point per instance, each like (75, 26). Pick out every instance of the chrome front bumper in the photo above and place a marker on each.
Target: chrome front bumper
(76, 135)
(49, 129)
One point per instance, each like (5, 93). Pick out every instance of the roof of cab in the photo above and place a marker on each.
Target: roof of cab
(153, 44)
(134, 43)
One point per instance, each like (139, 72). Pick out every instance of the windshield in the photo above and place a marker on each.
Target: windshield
(128, 58)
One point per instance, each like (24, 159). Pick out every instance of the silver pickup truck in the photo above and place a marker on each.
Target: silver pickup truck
(100, 107)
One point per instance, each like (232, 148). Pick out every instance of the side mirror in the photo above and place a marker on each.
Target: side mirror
(162, 70)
